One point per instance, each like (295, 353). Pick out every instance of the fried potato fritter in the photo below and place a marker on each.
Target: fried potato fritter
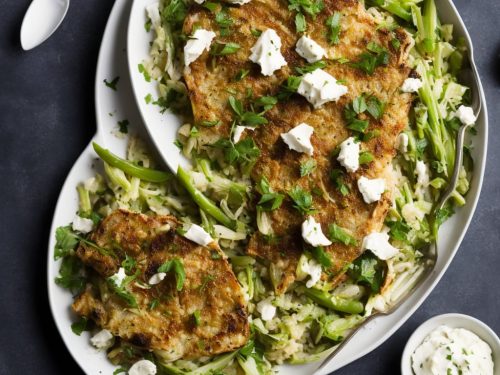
(210, 81)
(163, 320)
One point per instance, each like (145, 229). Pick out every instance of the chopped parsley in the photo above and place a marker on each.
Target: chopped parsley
(80, 326)
(250, 118)
(154, 304)
(177, 267)
(337, 176)
(310, 67)
(374, 57)
(123, 126)
(243, 151)
(241, 74)
(269, 200)
(289, 87)
(224, 21)
(70, 275)
(144, 72)
(197, 317)
(303, 7)
(302, 199)
(148, 98)
(307, 167)
(333, 25)
(368, 270)
(112, 84)
(129, 263)
(365, 157)
(223, 49)
(210, 124)
(204, 282)
(322, 257)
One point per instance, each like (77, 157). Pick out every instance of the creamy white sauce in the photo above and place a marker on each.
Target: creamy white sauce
(349, 155)
(312, 233)
(299, 138)
(197, 44)
(267, 52)
(309, 49)
(452, 351)
(319, 87)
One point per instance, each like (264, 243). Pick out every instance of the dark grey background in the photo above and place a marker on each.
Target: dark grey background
(46, 119)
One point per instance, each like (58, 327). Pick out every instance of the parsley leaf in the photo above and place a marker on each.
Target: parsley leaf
(337, 176)
(333, 25)
(175, 12)
(80, 326)
(177, 267)
(128, 263)
(307, 167)
(289, 87)
(359, 125)
(340, 235)
(302, 7)
(303, 200)
(269, 200)
(197, 317)
(123, 126)
(265, 103)
(375, 107)
(224, 21)
(374, 57)
(365, 157)
(310, 67)
(300, 23)
(241, 74)
(251, 118)
(66, 241)
(369, 270)
(223, 49)
(398, 230)
(144, 72)
(70, 275)
(243, 151)
(112, 84)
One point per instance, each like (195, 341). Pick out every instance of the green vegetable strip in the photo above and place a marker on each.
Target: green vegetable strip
(84, 200)
(334, 303)
(145, 174)
(394, 7)
(430, 25)
(203, 202)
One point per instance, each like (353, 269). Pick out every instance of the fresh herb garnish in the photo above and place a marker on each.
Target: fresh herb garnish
(204, 282)
(197, 318)
(375, 107)
(269, 200)
(337, 176)
(369, 270)
(333, 25)
(307, 167)
(365, 157)
(122, 292)
(374, 57)
(300, 23)
(223, 49)
(241, 74)
(243, 151)
(265, 103)
(177, 267)
(224, 21)
(70, 275)
(340, 235)
(144, 72)
(154, 304)
(148, 98)
(80, 326)
(310, 67)
(123, 126)
(128, 263)
(303, 200)
(302, 7)
(210, 124)
(112, 84)
(289, 87)
(66, 241)
(248, 118)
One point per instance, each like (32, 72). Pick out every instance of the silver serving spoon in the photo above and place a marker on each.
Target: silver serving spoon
(42, 18)
(471, 79)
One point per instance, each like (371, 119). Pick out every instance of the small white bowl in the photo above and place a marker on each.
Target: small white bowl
(453, 321)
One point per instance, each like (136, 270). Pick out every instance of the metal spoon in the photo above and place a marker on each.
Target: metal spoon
(471, 78)
(42, 18)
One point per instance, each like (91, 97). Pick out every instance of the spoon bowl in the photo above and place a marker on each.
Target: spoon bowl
(42, 18)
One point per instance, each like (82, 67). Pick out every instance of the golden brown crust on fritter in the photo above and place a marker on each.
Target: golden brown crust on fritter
(210, 287)
(210, 82)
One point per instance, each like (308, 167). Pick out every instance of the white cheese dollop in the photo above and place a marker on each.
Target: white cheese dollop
(411, 85)
(309, 49)
(238, 132)
(238, 2)
(102, 340)
(299, 138)
(423, 178)
(153, 11)
(266, 52)
(379, 245)
(196, 44)
(452, 351)
(119, 276)
(319, 87)
(313, 269)
(371, 189)
(143, 367)
(465, 115)
(349, 155)
(82, 225)
(157, 278)
(402, 143)
(199, 1)
(266, 309)
(312, 233)
(198, 235)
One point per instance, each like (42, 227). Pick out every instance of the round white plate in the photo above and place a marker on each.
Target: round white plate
(113, 106)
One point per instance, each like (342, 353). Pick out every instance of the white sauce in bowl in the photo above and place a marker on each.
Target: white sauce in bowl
(452, 351)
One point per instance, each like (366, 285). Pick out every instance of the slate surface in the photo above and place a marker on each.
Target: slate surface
(46, 119)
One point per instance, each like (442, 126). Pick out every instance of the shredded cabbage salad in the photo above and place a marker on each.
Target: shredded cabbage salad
(307, 323)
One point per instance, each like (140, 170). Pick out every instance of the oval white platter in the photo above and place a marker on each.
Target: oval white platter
(113, 106)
